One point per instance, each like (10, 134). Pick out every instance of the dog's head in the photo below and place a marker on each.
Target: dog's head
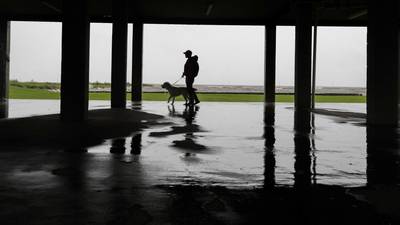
(166, 85)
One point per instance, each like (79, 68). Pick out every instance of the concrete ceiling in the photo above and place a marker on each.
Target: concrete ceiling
(330, 12)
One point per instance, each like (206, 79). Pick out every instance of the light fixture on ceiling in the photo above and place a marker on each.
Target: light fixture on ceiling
(50, 6)
(210, 6)
(357, 14)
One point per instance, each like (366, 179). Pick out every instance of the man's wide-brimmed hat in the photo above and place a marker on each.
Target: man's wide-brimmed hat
(187, 52)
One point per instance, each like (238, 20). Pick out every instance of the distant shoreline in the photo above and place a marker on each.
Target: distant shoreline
(247, 89)
(151, 89)
(31, 93)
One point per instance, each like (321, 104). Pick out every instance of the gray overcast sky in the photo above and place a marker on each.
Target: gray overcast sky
(227, 54)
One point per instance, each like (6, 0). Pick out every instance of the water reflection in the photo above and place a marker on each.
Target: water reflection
(189, 115)
(73, 176)
(171, 111)
(118, 145)
(242, 158)
(383, 157)
(136, 105)
(73, 171)
(136, 144)
(302, 165)
(313, 150)
(77, 147)
(3, 108)
(302, 147)
(269, 136)
(190, 127)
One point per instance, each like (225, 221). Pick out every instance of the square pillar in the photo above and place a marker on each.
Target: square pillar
(302, 98)
(4, 66)
(119, 54)
(4, 58)
(382, 156)
(270, 64)
(137, 61)
(75, 61)
(383, 63)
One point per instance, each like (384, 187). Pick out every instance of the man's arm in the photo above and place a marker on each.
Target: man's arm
(185, 68)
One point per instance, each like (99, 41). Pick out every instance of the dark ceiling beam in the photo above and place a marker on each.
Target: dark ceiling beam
(258, 22)
(283, 10)
(330, 23)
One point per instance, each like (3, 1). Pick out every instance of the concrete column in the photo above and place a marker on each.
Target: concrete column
(302, 98)
(75, 61)
(382, 155)
(4, 58)
(270, 63)
(383, 63)
(4, 65)
(119, 54)
(137, 61)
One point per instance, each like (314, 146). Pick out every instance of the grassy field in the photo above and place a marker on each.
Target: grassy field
(29, 93)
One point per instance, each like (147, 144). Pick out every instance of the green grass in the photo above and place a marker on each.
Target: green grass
(35, 85)
(28, 93)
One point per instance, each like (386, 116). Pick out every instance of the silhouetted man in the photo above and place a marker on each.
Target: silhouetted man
(190, 71)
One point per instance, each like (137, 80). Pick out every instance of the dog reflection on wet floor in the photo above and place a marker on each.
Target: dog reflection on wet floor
(172, 112)
(175, 92)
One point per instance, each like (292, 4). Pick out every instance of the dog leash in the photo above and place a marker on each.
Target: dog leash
(177, 81)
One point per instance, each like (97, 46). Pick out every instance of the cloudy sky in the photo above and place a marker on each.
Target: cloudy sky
(231, 55)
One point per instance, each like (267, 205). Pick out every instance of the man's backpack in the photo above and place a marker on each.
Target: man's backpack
(195, 65)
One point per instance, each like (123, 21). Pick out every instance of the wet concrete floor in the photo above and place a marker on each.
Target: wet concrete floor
(219, 163)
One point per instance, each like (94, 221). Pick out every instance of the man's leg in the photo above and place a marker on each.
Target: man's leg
(189, 87)
(196, 100)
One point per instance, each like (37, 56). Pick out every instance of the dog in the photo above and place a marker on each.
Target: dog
(175, 92)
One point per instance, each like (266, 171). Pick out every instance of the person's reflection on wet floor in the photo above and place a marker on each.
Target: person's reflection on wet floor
(188, 115)
(189, 143)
